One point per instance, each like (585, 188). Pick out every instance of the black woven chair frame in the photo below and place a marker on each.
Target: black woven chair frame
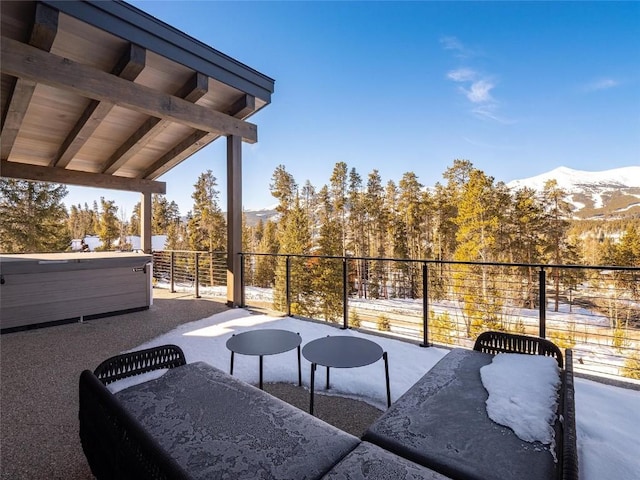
(114, 442)
(501, 342)
(138, 362)
(569, 459)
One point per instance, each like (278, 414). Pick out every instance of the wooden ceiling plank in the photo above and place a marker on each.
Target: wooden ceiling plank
(43, 34)
(23, 61)
(194, 89)
(37, 173)
(129, 66)
(197, 140)
(187, 147)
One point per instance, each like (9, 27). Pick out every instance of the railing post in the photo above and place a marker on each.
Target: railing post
(345, 294)
(172, 271)
(543, 303)
(242, 304)
(287, 289)
(425, 305)
(197, 271)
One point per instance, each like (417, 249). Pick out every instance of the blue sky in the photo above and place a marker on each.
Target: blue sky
(517, 88)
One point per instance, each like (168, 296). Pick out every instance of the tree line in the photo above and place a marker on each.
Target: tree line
(466, 217)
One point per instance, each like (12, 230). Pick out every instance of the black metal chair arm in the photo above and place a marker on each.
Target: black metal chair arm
(138, 362)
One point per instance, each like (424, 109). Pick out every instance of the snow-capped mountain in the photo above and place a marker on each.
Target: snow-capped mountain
(607, 194)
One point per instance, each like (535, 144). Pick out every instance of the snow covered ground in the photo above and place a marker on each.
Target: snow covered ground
(593, 352)
(608, 417)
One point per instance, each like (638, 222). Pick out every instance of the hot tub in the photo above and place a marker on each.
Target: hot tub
(37, 289)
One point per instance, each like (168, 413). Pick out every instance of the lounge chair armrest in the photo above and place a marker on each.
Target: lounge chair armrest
(138, 362)
(569, 445)
(500, 342)
(115, 443)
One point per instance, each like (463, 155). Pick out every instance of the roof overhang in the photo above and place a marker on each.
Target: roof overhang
(101, 94)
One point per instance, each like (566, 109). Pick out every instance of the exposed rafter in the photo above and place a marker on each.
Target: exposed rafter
(23, 61)
(242, 107)
(192, 91)
(43, 33)
(128, 68)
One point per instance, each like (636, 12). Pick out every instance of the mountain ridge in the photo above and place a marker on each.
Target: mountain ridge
(605, 194)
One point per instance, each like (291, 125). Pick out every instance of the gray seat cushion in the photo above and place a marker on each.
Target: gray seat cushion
(369, 462)
(442, 423)
(216, 426)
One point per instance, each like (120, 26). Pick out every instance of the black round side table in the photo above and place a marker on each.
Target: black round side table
(265, 342)
(343, 352)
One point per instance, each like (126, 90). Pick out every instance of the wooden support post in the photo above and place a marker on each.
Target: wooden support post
(145, 223)
(234, 220)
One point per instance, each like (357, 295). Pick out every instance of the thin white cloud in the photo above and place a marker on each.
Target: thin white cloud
(462, 75)
(475, 86)
(601, 84)
(454, 44)
(451, 43)
(480, 91)
(489, 112)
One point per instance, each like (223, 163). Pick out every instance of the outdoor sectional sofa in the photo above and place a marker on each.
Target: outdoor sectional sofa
(196, 421)
(442, 420)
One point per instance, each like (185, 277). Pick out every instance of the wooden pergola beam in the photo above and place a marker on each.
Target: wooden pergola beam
(242, 107)
(43, 33)
(23, 61)
(192, 91)
(245, 105)
(129, 67)
(38, 173)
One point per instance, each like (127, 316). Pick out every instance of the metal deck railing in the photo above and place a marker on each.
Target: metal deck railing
(595, 310)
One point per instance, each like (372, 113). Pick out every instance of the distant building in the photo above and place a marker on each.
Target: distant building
(133, 242)
(158, 242)
(93, 241)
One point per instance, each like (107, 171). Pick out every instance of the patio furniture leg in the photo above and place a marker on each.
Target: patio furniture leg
(327, 378)
(231, 370)
(313, 381)
(261, 372)
(386, 373)
(299, 369)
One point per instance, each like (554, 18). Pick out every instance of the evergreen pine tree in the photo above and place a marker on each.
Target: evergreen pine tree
(177, 235)
(266, 264)
(32, 217)
(327, 271)
(558, 212)
(338, 194)
(526, 225)
(283, 187)
(295, 239)
(134, 221)
(477, 224)
(376, 221)
(109, 227)
(412, 212)
(75, 223)
(357, 235)
(207, 225)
